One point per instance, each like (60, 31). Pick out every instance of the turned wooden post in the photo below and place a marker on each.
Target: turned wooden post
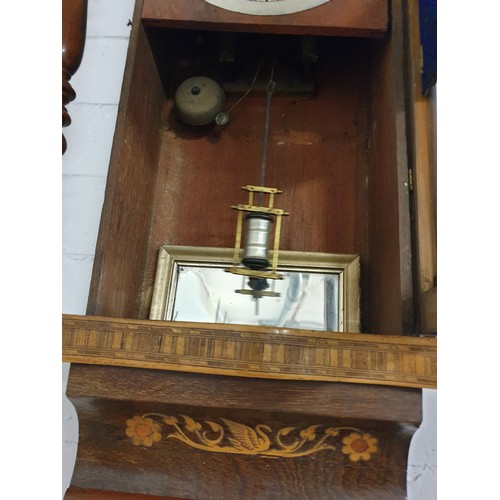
(74, 24)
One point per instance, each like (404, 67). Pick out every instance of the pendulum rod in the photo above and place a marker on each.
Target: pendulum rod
(271, 86)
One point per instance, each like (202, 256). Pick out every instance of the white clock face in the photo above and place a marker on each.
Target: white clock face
(266, 7)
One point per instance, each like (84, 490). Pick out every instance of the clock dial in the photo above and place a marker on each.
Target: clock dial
(266, 7)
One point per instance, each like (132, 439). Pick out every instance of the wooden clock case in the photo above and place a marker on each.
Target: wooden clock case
(339, 148)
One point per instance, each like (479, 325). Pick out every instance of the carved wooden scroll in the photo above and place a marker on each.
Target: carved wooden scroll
(74, 25)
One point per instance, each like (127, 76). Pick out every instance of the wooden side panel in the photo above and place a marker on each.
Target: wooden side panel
(390, 266)
(361, 18)
(126, 214)
(423, 163)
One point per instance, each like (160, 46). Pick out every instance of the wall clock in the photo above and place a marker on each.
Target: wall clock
(267, 7)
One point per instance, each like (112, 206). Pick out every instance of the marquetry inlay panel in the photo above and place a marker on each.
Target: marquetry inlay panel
(247, 351)
(228, 436)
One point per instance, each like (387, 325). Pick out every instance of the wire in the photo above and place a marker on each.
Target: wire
(249, 88)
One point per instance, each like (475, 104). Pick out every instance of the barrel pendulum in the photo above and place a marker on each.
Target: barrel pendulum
(255, 262)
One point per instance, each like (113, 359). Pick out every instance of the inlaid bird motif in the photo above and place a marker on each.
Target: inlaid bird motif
(246, 439)
(233, 437)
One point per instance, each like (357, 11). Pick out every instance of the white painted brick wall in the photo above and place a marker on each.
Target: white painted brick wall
(97, 85)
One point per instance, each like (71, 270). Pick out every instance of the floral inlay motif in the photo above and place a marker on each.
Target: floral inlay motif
(234, 437)
(359, 446)
(143, 431)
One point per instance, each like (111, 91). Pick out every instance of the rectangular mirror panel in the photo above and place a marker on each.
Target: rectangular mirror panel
(211, 295)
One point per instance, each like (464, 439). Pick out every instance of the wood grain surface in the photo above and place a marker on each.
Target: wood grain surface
(92, 494)
(422, 153)
(390, 238)
(212, 392)
(126, 212)
(339, 157)
(249, 351)
(112, 400)
(361, 18)
(319, 162)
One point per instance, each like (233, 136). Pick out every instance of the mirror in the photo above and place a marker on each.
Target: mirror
(209, 294)
(318, 291)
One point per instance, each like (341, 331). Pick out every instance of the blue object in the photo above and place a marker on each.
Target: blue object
(428, 40)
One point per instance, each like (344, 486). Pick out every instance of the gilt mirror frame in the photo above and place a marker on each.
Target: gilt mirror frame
(346, 266)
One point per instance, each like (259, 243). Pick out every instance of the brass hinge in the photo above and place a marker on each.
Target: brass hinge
(410, 179)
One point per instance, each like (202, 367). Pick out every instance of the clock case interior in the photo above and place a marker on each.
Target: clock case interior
(337, 148)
